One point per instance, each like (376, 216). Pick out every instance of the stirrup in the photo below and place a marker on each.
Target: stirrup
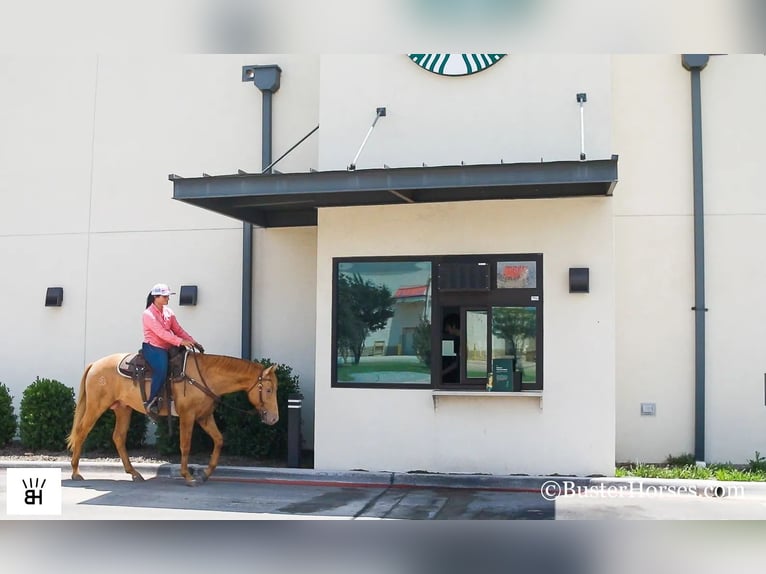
(152, 407)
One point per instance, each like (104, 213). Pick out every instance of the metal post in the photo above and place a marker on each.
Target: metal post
(380, 112)
(294, 406)
(582, 98)
(695, 63)
(266, 79)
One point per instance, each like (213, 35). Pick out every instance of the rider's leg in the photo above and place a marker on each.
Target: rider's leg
(158, 359)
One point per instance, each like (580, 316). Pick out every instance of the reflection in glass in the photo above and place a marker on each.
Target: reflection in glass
(516, 275)
(383, 322)
(476, 344)
(514, 337)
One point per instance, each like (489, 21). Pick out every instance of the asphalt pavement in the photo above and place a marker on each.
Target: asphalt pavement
(289, 493)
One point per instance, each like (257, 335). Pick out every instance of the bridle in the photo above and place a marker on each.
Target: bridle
(217, 399)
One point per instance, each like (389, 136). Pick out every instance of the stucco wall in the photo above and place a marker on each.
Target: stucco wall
(654, 245)
(654, 254)
(86, 146)
(734, 121)
(87, 143)
(400, 429)
(521, 109)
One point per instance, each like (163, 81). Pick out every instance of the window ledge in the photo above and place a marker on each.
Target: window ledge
(439, 394)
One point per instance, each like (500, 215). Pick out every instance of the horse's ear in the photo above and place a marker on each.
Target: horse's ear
(267, 370)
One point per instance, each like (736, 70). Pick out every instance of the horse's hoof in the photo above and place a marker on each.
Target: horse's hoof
(200, 475)
(192, 483)
(137, 477)
(77, 476)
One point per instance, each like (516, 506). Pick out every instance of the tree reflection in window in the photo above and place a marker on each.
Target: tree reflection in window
(515, 331)
(363, 307)
(382, 312)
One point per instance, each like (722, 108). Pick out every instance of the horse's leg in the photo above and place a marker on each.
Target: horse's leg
(122, 423)
(186, 425)
(78, 436)
(208, 425)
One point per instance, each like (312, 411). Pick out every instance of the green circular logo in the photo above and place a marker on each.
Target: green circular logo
(455, 64)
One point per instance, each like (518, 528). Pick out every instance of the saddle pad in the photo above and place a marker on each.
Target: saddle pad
(126, 366)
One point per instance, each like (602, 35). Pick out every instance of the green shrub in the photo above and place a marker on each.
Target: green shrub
(100, 438)
(758, 464)
(47, 410)
(167, 437)
(686, 459)
(7, 416)
(243, 432)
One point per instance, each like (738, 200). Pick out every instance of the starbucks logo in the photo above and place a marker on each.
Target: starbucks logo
(455, 64)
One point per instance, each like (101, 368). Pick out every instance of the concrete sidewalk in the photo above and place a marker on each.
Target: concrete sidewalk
(548, 486)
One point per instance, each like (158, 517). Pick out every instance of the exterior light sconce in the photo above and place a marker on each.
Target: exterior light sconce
(187, 295)
(266, 78)
(54, 296)
(579, 280)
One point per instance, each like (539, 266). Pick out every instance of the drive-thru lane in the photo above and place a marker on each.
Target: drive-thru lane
(282, 494)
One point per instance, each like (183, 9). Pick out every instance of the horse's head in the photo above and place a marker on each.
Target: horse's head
(263, 396)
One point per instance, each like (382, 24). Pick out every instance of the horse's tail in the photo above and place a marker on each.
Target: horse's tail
(79, 410)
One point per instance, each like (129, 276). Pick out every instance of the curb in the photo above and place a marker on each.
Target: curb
(390, 479)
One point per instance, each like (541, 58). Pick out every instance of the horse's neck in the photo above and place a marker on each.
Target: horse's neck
(226, 374)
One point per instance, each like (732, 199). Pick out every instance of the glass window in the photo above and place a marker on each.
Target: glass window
(383, 322)
(476, 345)
(514, 347)
(425, 322)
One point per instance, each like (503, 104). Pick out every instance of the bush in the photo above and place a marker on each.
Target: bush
(100, 438)
(757, 464)
(686, 459)
(7, 416)
(167, 435)
(47, 410)
(243, 433)
(246, 435)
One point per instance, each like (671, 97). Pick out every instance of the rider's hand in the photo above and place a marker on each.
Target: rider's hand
(199, 347)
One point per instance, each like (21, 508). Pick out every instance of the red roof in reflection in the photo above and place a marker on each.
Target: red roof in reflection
(407, 292)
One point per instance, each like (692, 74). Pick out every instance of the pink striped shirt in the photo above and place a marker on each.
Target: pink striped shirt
(161, 329)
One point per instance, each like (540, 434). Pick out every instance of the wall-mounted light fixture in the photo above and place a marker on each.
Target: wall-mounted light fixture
(579, 280)
(54, 296)
(188, 295)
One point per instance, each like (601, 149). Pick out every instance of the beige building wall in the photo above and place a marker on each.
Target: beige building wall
(522, 109)
(570, 431)
(734, 121)
(87, 143)
(86, 146)
(654, 242)
(654, 254)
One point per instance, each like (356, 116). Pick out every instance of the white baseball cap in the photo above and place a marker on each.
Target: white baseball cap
(161, 289)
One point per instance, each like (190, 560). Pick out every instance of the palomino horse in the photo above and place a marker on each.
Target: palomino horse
(207, 378)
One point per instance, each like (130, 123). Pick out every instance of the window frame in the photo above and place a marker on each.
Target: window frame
(465, 300)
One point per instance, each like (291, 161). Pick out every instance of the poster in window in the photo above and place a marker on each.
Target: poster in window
(516, 275)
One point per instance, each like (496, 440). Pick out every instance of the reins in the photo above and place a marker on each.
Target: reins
(205, 388)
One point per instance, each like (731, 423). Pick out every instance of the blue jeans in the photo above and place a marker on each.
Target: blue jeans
(158, 360)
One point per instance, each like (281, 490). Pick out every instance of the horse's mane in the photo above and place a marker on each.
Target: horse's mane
(231, 364)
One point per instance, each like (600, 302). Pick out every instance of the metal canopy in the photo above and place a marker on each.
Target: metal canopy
(292, 199)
